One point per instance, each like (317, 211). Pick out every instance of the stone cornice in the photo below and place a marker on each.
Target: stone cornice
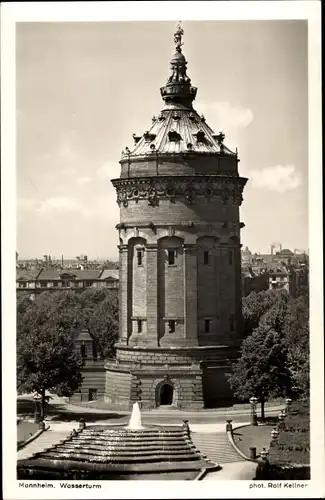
(128, 159)
(180, 225)
(218, 349)
(186, 188)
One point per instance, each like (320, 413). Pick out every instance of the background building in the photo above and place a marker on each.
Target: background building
(93, 384)
(53, 280)
(281, 268)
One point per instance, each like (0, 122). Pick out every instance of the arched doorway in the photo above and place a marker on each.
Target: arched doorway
(166, 395)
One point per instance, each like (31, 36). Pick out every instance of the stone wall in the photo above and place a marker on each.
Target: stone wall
(166, 357)
(185, 165)
(167, 213)
(197, 377)
(118, 388)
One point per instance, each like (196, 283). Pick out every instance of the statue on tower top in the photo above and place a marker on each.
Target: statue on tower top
(178, 37)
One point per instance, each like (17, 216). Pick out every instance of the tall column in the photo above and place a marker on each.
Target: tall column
(152, 293)
(123, 294)
(190, 295)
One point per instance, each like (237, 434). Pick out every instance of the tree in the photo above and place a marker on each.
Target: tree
(23, 302)
(261, 368)
(46, 361)
(296, 338)
(46, 328)
(103, 325)
(96, 309)
(255, 305)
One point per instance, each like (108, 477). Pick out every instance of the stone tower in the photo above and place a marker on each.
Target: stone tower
(180, 265)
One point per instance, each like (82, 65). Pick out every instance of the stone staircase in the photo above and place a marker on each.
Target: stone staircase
(215, 447)
(46, 440)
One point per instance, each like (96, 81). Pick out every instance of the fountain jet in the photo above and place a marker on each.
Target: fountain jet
(135, 419)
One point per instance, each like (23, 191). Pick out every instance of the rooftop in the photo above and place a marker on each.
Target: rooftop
(28, 275)
(79, 274)
(110, 274)
(83, 335)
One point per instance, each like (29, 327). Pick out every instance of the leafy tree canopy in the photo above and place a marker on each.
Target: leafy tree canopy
(273, 358)
(46, 329)
(255, 305)
(296, 335)
(69, 311)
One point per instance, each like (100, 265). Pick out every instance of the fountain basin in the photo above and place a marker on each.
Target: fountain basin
(112, 452)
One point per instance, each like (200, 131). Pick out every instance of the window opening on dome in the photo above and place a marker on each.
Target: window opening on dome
(149, 137)
(200, 136)
(173, 136)
(136, 138)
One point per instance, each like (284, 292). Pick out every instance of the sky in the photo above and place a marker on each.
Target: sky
(83, 89)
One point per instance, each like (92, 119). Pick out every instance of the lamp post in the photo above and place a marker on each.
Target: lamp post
(253, 401)
(288, 402)
(281, 424)
(262, 470)
(37, 412)
(274, 435)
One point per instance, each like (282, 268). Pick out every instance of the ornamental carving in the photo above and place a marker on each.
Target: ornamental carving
(186, 189)
(167, 379)
(152, 197)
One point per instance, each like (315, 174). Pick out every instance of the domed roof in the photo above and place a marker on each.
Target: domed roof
(178, 128)
(179, 57)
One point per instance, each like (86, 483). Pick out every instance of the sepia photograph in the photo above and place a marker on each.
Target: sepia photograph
(163, 254)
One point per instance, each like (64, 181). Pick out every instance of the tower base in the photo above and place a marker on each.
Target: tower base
(185, 378)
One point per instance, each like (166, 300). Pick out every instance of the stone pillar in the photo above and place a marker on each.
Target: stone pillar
(152, 294)
(190, 295)
(123, 294)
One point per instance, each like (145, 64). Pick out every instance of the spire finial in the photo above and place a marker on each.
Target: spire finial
(178, 89)
(178, 37)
